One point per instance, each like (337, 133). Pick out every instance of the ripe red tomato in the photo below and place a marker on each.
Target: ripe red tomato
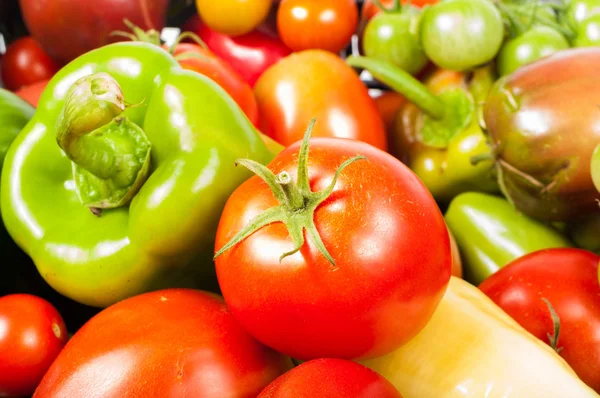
(33, 92)
(202, 60)
(32, 333)
(25, 63)
(322, 24)
(567, 278)
(169, 343)
(330, 378)
(381, 227)
(317, 84)
(67, 29)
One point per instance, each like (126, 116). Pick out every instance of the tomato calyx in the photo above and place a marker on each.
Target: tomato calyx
(396, 6)
(297, 203)
(153, 37)
(555, 327)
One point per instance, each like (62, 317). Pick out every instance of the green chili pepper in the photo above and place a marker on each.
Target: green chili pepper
(490, 233)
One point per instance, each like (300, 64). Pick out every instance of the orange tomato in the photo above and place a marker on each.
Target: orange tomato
(322, 24)
(317, 84)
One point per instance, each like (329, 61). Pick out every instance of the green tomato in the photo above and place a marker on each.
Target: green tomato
(538, 42)
(391, 37)
(588, 32)
(580, 10)
(461, 34)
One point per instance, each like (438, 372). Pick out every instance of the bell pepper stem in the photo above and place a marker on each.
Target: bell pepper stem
(297, 203)
(402, 82)
(111, 154)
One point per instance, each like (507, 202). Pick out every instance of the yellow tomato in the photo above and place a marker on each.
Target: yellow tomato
(233, 17)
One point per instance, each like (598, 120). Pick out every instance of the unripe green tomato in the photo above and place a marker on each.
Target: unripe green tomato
(461, 34)
(538, 42)
(391, 37)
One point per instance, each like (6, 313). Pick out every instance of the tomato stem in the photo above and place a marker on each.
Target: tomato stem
(402, 82)
(555, 327)
(297, 203)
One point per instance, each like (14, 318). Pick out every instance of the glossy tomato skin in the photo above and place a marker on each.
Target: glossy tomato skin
(330, 378)
(538, 42)
(317, 84)
(317, 24)
(567, 278)
(218, 70)
(32, 333)
(233, 17)
(169, 343)
(461, 34)
(387, 238)
(25, 63)
(369, 9)
(250, 54)
(69, 28)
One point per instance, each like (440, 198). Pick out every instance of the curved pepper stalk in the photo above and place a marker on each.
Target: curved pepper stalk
(438, 131)
(110, 153)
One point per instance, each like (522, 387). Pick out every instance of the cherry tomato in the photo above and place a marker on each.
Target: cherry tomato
(385, 236)
(32, 333)
(316, 83)
(250, 54)
(233, 17)
(33, 92)
(312, 24)
(567, 279)
(201, 60)
(392, 37)
(461, 34)
(168, 343)
(580, 10)
(588, 32)
(538, 42)
(25, 63)
(330, 378)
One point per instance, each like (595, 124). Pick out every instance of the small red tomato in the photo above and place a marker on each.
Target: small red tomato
(202, 60)
(167, 343)
(32, 333)
(317, 24)
(567, 279)
(330, 378)
(25, 63)
(317, 84)
(33, 92)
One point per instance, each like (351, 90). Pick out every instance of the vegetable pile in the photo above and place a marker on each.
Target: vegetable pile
(300, 198)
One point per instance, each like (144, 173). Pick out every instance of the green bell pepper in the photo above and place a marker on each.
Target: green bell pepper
(491, 233)
(14, 115)
(437, 131)
(115, 187)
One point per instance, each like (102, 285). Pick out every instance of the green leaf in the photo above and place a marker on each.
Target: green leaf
(459, 109)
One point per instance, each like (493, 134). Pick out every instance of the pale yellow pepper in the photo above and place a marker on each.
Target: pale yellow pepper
(472, 348)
